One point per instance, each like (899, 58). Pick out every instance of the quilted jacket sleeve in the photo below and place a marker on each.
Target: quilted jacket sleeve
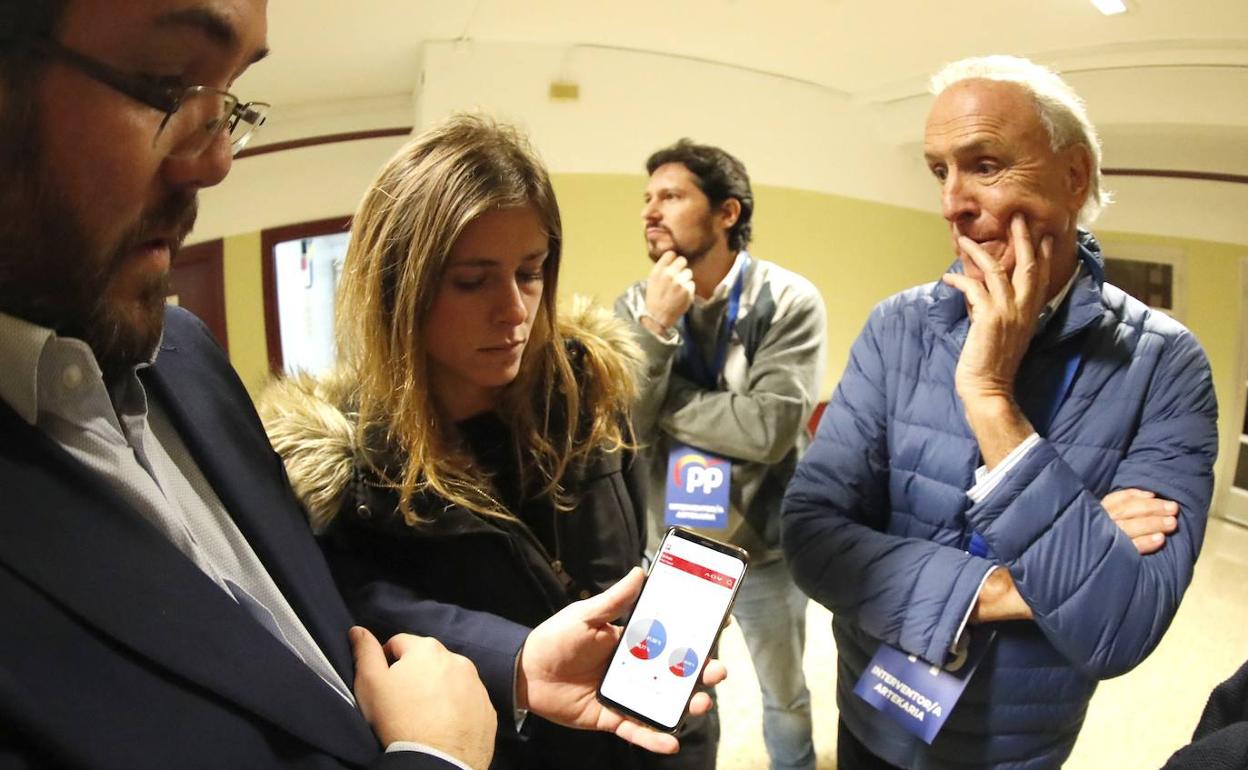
(908, 592)
(1100, 603)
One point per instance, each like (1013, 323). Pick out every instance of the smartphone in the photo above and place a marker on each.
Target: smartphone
(682, 608)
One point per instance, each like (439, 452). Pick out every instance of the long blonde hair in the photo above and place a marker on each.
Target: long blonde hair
(401, 238)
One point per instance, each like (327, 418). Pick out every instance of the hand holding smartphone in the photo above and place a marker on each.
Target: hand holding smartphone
(677, 619)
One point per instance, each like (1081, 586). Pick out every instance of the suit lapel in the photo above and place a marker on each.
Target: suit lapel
(227, 442)
(65, 531)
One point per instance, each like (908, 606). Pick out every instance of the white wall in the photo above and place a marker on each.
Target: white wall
(789, 133)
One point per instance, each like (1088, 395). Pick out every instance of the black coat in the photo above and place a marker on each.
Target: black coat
(1221, 738)
(524, 570)
(520, 571)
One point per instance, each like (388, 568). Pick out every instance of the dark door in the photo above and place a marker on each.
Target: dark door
(199, 285)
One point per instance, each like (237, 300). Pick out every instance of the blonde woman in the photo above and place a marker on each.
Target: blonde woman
(472, 447)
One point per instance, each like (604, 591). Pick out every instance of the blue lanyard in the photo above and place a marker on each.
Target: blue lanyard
(696, 364)
(977, 545)
(1060, 393)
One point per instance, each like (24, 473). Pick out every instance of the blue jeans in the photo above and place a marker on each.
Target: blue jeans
(772, 613)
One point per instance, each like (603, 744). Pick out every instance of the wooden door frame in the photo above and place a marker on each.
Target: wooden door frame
(211, 254)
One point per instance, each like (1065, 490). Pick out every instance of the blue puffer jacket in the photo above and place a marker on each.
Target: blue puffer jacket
(877, 518)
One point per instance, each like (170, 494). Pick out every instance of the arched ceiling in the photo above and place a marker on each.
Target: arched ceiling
(1168, 80)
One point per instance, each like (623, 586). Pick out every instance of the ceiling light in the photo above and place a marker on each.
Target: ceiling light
(1110, 7)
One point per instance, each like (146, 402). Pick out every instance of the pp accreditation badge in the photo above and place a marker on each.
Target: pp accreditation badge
(697, 489)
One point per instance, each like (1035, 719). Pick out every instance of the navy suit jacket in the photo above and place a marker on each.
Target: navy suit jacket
(117, 652)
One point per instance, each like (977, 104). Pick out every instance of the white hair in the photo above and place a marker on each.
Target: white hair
(1060, 110)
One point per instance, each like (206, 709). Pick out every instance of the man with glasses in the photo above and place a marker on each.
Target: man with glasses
(198, 113)
(164, 603)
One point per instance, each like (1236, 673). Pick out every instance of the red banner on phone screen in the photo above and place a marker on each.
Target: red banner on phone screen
(697, 570)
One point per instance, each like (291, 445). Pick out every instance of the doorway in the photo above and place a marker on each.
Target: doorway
(198, 284)
(300, 274)
(1235, 499)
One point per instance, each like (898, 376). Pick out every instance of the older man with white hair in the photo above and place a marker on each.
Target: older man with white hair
(1012, 479)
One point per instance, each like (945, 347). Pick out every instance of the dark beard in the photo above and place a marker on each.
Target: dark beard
(52, 274)
(122, 336)
(692, 252)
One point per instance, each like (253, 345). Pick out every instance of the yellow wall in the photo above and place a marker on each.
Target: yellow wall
(856, 252)
(244, 309)
(1213, 309)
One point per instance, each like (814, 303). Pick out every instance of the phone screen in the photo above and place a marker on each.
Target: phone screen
(677, 618)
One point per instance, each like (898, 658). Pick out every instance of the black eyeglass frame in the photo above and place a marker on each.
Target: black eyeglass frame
(164, 98)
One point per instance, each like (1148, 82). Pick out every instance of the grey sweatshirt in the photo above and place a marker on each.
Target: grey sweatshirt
(757, 416)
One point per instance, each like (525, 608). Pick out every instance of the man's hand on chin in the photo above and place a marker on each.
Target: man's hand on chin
(669, 293)
(1003, 308)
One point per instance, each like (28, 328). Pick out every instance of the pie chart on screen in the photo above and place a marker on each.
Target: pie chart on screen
(683, 662)
(646, 638)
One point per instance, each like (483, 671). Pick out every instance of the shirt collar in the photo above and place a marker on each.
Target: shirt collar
(1052, 306)
(21, 346)
(27, 355)
(1057, 301)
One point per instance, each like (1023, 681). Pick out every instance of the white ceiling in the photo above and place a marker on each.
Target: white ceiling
(1170, 77)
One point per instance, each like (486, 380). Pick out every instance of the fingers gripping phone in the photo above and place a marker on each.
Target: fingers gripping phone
(682, 608)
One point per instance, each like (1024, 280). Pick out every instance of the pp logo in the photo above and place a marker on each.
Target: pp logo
(700, 474)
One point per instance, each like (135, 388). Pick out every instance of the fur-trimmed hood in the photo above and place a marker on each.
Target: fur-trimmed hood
(312, 421)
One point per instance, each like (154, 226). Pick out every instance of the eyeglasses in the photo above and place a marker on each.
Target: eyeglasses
(194, 115)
